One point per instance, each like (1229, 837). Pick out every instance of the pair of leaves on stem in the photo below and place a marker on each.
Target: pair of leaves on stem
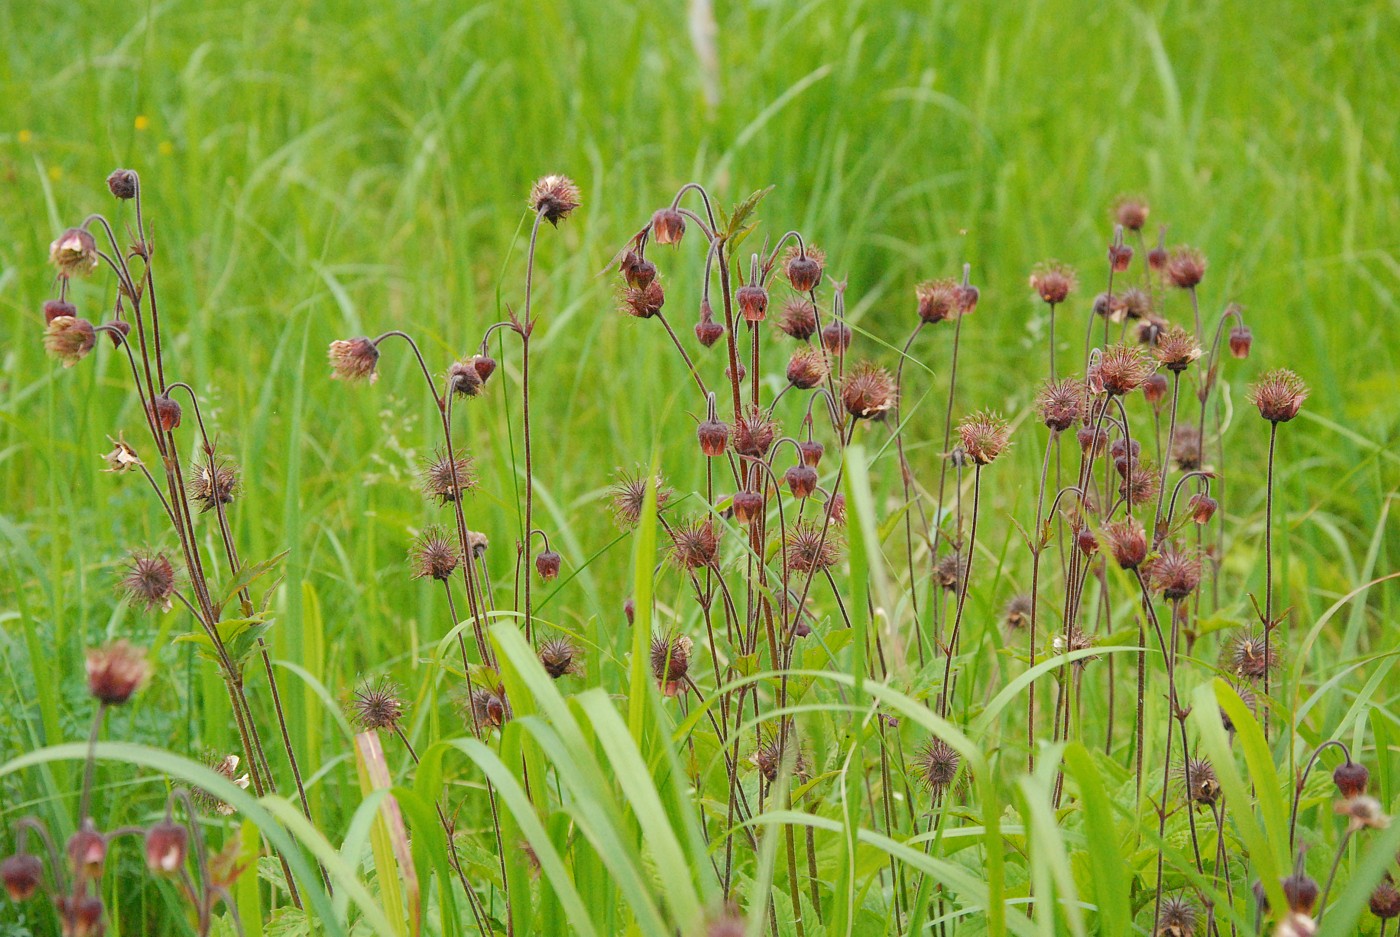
(238, 636)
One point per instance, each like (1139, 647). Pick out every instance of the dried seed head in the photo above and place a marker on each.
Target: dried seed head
(801, 480)
(1245, 656)
(806, 368)
(668, 226)
(1300, 891)
(1137, 304)
(984, 436)
(642, 302)
(769, 759)
(1017, 614)
(489, 707)
(354, 359)
(1110, 307)
(434, 555)
(1240, 340)
(1151, 329)
(713, 436)
(167, 844)
(1351, 778)
(122, 183)
(213, 483)
(753, 302)
(477, 543)
(695, 544)
(1202, 507)
(707, 330)
(836, 337)
(69, 339)
(950, 570)
(74, 253)
(1176, 574)
(1154, 389)
(1186, 267)
(1385, 899)
(1053, 281)
(1078, 640)
(22, 873)
(937, 764)
(811, 452)
(636, 270)
(938, 299)
(554, 198)
(1279, 395)
(629, 495)
(1120, 256)
(58, 309)
(1130, 211)
(377, 705)
(803, 269)
(1121, 369)
(561, 657)
(1202, 786)
(226, 767)
(116, 671)
(798, 319)
(748, 506)
(1177, 918)
(1127, 541)
(670, 661)
(463, 379)
(165, 412)
(1141, 484)
(754, 434)
(1177, 349)
(867, 392)
(547, 564)
(1061, 403)
(810, 547)
(150, 580)
(1186, 447)
(1363, 813)
(447, 479)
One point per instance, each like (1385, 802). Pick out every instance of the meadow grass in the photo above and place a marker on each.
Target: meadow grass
(316, 171)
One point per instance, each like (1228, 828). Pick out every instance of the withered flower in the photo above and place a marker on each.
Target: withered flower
(213, 483)
(123, 184)
(643, 302)
(122, 458)
(774, 754)
(377, 705)
(447, 479)
(74, 253)
(984, 436)
(554, 198)
(1130, 211)
(1279, 395)
(69, 339)
(1017, 614)
(867, 392)
(226, 767)
(463, 378)
(116, 671)
(354, 359)
(938, 299)
(489, 707)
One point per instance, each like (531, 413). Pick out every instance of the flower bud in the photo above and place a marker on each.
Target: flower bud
(1120, 256)
(122, 184)
(547, 565)
(707, 330)
(57, 307)
(1351, 778)
(836, 337)
(166, 846)
(485, 366)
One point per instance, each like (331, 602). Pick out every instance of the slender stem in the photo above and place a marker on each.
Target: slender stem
(1269, 569)
(962, 592)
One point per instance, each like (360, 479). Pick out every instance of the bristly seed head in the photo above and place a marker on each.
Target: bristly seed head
(116, 671)
(463, 379)
(1186, 267)
(937, 764)
(448, 479)
(670, 661)
(1175, 573)
(938, 300)
(1177, 918)
(354, 359)
(377, 705)
(1127, 542)
(554, 198)
(69, 339)
(629, 494)
(1202, 786)
(798, 318)
(561, 657)
(1061, 403)
(754, 434)
(1245, 656)
(434, 555)
(489, 708)
(213, 483)
(1177, 349)
(1131, 212)
(643, 302)
(150, 580)
(1053, 281)
(694, 544)
(770, 756)
(74, 253)
(867, 391)
(984, 436)
(1142, 483)
(807, 368)
(226, 767)
(1017, 614)
(950, 570)
(1121, 370)
(1279, 395)
(1385, 899)
(810, 547)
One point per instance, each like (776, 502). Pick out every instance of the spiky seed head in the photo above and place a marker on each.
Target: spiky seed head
(1177, 349)
(642, 302)
(354, 359)
(1078, 640)
(1351, 778)
(937, 764)
(1186, 267)
(1245, 656)
(58, 309)
(748, 506)
(713, 436)
(810, 547)
(150, 580)
(1177, 918)
(377, 705)
(803, 268)
(670, 661)
(226, 767)
(434, 555)
(1154, 389)
(1122, 369)
(1061, 403)
(561, 657)
(116, 671)
(1300, 891)
(801, 480)
(937, 299)
(984, 436)
(770, 756)
(554, 198)
(807, 368)
(867, 392)
(1186, 447)
(1151, 329)
(1279, 395)
(1141, 484)
(69, 339)
(167, 844)
(1131, 212)
(636, 270)
(695, 544)
(668, 226)
(1202, 507)
(798, 318)
(463, 379)
(122, 183)
(74, 253)
(213, 483)
(1053, 281)
(490, 709)
(811, 452)
(165, 412)
(1017, 614)
(629, 495)
(1120, 257)
(1127, 542)
(1385, 899)
(836, 337)
(754, 434)
(448, 479)
(22, 874)
(1202, 786)
(1240, 340)
(950, 570)
(1176, 574)
(1136, 303)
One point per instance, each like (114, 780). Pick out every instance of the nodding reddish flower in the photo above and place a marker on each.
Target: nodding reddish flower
(489, 707)
(1177, 349)
(58, 309)
(1061, 403)
(463, 379)
(1300, 891)
(1091, 438)
(485, 366)
(938, 299)
(1136, 303)
(707, 330)
(713, 436)
(213, 483)
(1131, 212)
(1249, 656)
(629, 494)
(165, 413)
(937, 764)
(668, 226)
(1053, 281)
(984, 436)
(747, 506)
(803, 268)
(1120, 256)
(434, 555)
(1157, 257)
(122, 183)
(643, 302)
(1279, 395)
(1186, 448)
(1177, 918)
(1351, 778)
(69, 339)
(81, 915)
(447, 479)
(695, 544)
(1176, 574)
(167, 845)
(1186, 267)
(670, 661)
(547, 564)
(117, 330)
(1110, 307)
(87, 850)
(774, 754)
(811, 452)
(74, 253)
(1017, 614)
(801, 480)
(836, 337)
(636, 270)
(354, 359)
(1202, 507)
(754, 434)
(150, 580)
(798, 319)
(1122, 369)
(1240, 340)
(554, 198)
(1154, 389)
(377, 705)
(1086, 541)
(22, 873)
(968, 295)
(116, 671)
(753, 302)
(835, 508)
(1202, 786)
(561, 657)
(810, 548)
(1124, 454)
(867, 392)
(807, 368)
(1385, 899)
(1127, 541)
